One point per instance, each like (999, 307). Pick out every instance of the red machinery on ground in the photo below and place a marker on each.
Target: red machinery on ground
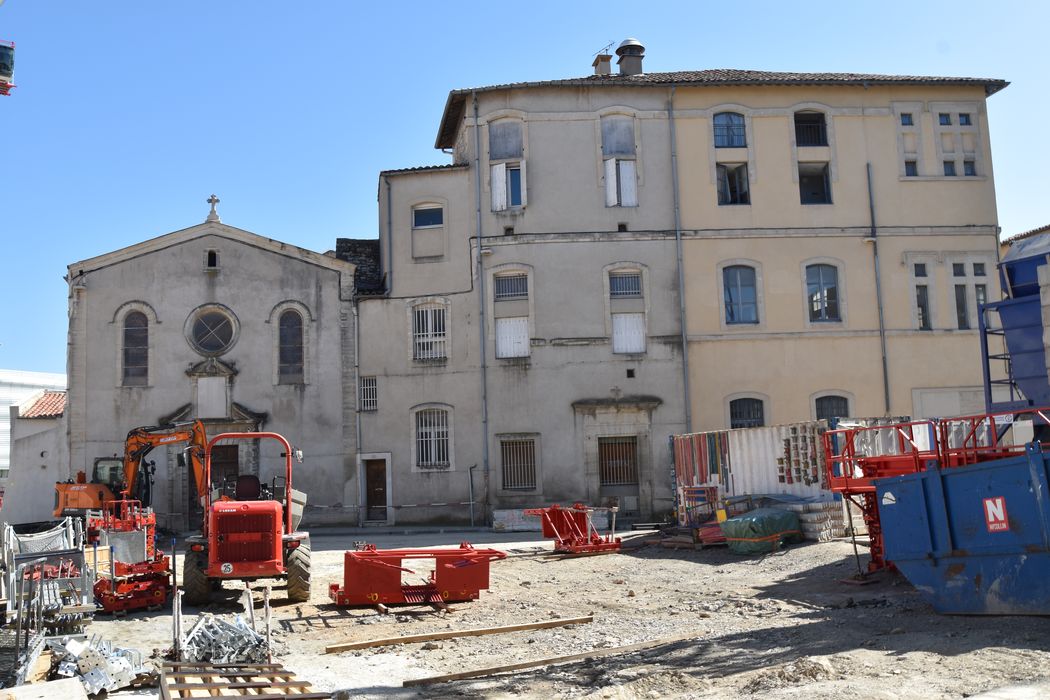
(855, 457)
(251, 534)
(372, 576)
(574, 532)
(145, 583)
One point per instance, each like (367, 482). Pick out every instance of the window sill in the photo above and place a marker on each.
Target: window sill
(942, 178)
(430, 361)
(816, 204)
(734, 204)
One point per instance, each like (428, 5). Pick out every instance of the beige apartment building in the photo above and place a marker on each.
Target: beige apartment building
(833, 233)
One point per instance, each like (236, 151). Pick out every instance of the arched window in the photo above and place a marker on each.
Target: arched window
(747, 413)
(810, 129)
(740, 293)
(729, 130)
(831, 406)
(822, 292)
(290, 352)
(135, 369)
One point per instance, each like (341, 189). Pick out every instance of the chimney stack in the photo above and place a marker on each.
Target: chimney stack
(602, 64)
(631, 53)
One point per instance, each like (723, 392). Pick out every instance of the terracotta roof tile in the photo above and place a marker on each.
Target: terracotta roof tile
(50, 404)
(1027, 234)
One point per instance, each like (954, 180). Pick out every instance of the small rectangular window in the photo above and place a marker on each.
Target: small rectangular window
(958, 269)
(962, 314)
(964, 119)
(829, 407)
(978, 269)
(944, 119)
(369, 395)
(949, 168)
(511, 287)
(746, 413)
(427, 216)
(732, 184)
(906, 119)
(514, 185)
(625, 284)
(922, 306)
(981, 293)
(911, 168)
(518, 458)
(969, 168)
(920, 269)
(814, 185)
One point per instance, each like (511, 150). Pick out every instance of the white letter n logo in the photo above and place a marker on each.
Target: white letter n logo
(995, 514)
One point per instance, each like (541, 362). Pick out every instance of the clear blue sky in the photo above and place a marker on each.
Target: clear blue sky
(129, 113)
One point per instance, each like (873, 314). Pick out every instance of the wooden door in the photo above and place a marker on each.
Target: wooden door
(375, 489)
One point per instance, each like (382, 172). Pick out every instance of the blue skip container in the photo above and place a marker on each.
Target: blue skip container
(973, 540)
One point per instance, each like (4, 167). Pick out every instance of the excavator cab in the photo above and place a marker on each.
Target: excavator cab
(108, 471)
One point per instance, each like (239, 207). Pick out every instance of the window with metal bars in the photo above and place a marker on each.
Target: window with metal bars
(829, 407)
(290, 352)
(518, 457)
(617, 461)
(428, 333)
(432, 438)
(746, 413)
(625, 284)
(369, 394)
(514, 286)
(135, 371)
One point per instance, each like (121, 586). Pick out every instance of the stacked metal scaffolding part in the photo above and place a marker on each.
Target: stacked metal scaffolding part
(215, 640)
(99, 665)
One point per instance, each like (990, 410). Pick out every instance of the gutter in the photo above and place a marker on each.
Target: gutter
(481, 310)
(686, 392)
(873, 239)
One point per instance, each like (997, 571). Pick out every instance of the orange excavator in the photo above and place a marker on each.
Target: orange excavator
(130, 478)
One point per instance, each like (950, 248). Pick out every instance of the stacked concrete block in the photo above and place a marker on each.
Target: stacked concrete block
(821, 521)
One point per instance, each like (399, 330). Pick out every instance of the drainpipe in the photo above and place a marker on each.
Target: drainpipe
(873, 239)
(481, 309)
(357, 410)
(687, 396)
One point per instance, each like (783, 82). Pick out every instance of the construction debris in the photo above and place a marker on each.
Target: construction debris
(99, 665)
(213, 639)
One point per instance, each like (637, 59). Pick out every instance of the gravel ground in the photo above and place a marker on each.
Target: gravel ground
(775, 626)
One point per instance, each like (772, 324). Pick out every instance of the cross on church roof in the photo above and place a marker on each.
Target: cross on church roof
(213, 215)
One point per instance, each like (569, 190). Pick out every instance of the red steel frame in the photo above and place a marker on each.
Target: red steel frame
(131, 586)
(372, 576)
(572, 529)
(853, 474)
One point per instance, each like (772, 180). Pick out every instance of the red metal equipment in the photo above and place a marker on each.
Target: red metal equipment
(130, 585)
(372, 576)
(572, 529)
(856, 457)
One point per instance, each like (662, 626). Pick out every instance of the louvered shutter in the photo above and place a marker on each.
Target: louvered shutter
(512, 337)
(498, 185)
(628, 333)
(628, 184)
(610, 183)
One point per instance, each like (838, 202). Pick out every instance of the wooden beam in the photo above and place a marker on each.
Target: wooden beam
(595, 654)
(412, 638)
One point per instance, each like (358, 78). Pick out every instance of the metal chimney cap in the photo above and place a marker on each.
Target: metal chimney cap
(630, 47)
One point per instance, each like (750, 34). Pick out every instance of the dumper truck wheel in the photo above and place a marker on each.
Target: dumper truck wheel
(299, 573)
(195, 583)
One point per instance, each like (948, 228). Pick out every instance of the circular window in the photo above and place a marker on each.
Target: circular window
(212, 329)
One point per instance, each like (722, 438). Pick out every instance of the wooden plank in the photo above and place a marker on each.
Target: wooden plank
(412, 638)
(216, 685)
(595, 654)
(232, 674)
(204, 666)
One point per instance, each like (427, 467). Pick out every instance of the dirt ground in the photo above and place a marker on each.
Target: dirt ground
(774, 626)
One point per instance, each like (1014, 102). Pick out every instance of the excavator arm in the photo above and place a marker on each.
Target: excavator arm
(141, 441)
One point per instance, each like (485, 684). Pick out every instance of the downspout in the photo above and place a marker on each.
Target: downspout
(687, 395)
(873, 239)
(362, 495)
(481, 309)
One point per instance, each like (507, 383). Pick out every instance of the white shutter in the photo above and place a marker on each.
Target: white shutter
(610, 183)
(498, 185)
(512, 337)
(628, 184)
(524, 183)
(628, 333)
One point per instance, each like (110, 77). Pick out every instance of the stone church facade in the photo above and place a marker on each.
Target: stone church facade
(217, 323)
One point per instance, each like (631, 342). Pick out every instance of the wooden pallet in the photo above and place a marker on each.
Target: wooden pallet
(183, 679)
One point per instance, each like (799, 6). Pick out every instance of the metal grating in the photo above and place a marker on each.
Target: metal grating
(625, 284)
(245, 537)
(428, 333)
(369, 394)
(618, 461)
(432, 449)
(511, 287)
(519, 464)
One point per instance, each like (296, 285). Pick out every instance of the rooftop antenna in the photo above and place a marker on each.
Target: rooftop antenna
(602, 50)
